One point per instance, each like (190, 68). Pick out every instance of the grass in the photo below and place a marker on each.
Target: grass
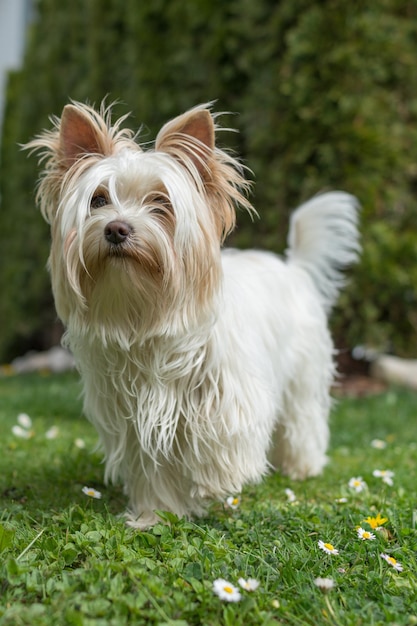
(69, 559)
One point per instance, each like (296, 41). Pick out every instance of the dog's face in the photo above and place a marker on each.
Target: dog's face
(136, 234)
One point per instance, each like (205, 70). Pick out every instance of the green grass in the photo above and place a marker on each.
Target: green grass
(69, 559)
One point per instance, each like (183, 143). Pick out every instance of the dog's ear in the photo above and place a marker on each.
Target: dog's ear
(77, 135)
(190, 136)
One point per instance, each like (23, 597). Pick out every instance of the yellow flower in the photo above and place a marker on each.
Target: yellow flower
(376, 522)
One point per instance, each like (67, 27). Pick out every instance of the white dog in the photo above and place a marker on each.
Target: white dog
(201, 369)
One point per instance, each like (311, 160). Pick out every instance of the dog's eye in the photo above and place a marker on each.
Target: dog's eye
(98, 200)
(160, 204)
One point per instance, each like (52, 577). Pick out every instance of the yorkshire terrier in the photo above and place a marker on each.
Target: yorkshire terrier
(202, 368)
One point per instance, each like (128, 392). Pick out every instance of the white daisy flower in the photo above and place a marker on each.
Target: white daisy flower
(233, 502)
(92, 493)
(251, 584)
(52, 433)
(365, 534)
(379, 444)
(24, 420)
(341, 500)
(325, 584)
(357, 484)
(23, 433)
(79, 443)
(386, 475)
(327, 547)
(226, 591)
(290, 495)
(393, 562)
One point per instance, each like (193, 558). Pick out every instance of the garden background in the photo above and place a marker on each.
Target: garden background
(323, 94)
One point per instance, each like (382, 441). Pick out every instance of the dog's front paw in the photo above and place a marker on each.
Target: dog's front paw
(143, 521)
(300, 470)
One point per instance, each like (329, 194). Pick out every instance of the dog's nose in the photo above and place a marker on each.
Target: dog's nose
(117, 232)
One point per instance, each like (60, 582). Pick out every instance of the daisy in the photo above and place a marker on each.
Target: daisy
(357, 484)
(325, 584)
(93, 493)
(52, 433)
(226, 591)
(24, 420)
(23, 433)
(376, 522)
(251, 584)
(79, 443)
(341, 500)
(327, 547)
(393, 562)
(379, 444)
(365, 534)
(290, 495)
(233, 502)
(386, 475)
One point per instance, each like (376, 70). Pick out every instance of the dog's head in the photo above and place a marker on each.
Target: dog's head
(136, 233)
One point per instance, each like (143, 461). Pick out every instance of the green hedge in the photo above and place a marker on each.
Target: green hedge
(325, 95)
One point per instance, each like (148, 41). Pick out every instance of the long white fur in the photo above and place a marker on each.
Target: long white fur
(202, 370)
(323, 240)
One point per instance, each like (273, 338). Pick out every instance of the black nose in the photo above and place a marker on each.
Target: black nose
(117, 232)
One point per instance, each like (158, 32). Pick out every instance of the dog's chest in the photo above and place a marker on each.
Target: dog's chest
(160, 393)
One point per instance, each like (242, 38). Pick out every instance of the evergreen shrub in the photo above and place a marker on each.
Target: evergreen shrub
(325, 96)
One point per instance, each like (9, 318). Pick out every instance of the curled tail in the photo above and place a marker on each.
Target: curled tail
(324, 240)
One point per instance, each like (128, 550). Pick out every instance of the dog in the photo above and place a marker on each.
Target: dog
(202, 368)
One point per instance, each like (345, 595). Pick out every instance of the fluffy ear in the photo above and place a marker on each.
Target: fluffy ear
(190, 135)
(77, 135)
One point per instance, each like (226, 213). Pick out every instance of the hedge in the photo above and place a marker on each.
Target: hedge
(324, 96)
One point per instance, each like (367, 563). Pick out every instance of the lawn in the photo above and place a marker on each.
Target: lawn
(67, 557)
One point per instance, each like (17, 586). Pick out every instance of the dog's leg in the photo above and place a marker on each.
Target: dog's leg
(302, 434)
(161, 487)
(227, 468)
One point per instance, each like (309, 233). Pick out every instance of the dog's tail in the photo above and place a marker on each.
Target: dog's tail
(324, 240)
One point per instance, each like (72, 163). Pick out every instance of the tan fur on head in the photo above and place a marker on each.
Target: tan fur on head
(191, 139)
(78, 139)
(85, 153)
(82, 135)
